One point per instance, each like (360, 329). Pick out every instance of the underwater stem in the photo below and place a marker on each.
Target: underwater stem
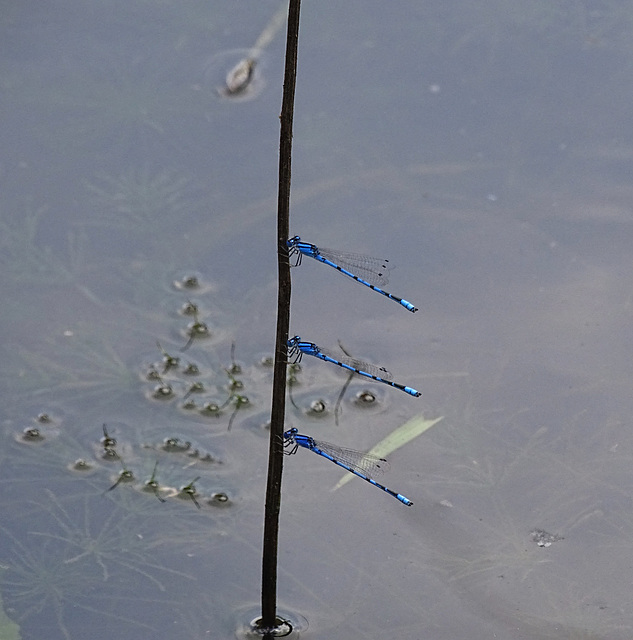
(275, 459)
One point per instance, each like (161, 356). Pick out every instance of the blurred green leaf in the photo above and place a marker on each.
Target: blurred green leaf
(8, 629)
(396, 439)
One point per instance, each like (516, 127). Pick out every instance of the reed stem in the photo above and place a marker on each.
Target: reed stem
(275, 455)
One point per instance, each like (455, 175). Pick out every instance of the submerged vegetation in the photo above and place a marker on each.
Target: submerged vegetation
(139, 199)
(75, 366)
(26, 258)
(79, 552)
(110, 506)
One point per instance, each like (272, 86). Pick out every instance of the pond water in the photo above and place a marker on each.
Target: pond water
(482, 147)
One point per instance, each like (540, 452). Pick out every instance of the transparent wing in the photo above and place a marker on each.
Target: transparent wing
(364, 463)
(371, 369)
(373, 270)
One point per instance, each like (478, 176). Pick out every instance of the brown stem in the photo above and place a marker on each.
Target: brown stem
(275, 455)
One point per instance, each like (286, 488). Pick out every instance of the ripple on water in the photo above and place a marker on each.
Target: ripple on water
(237, 74)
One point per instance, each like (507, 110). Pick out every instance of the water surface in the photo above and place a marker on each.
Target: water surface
(484, 149)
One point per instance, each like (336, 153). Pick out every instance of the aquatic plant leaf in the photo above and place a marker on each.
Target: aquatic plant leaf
(396, 439)
(9, 630)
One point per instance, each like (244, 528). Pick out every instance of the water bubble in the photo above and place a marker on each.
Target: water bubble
(162, 392)
(235, 74)
(365, 398)
(81, 465)
(317, 408)
(219, 499)
(210, 409)
(31, 434)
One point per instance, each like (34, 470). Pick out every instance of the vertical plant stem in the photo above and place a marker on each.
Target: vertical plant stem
(275, 455)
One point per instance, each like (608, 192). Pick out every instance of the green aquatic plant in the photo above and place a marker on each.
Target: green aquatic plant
(44, 592)
(239, 401)
(125, 476)
(189, 492)
(71, 557)
(8, 629)
(109, 540)
(195, 385)
(35, 580)
(152, 485)
(398, 438)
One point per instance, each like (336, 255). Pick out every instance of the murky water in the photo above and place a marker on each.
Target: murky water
(486, 155)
